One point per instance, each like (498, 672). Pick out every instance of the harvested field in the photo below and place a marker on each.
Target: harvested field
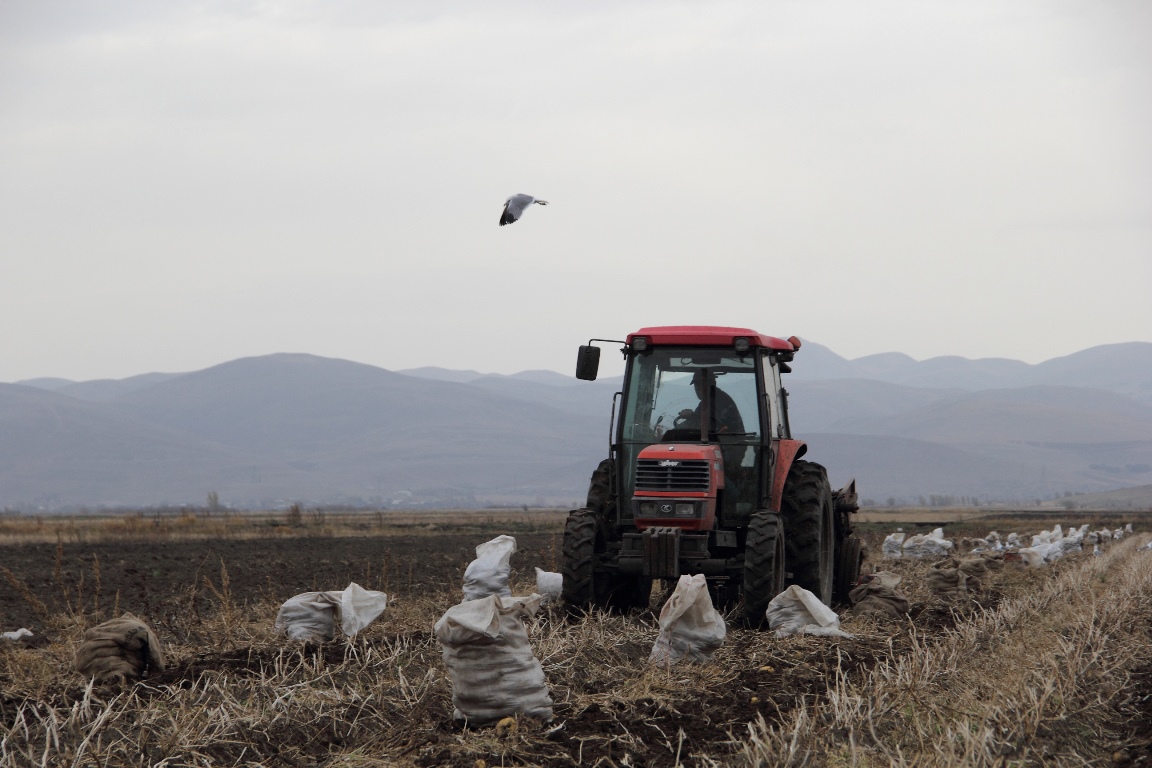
(1047, 666)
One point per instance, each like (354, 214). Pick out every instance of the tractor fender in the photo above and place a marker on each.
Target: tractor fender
(787, 451)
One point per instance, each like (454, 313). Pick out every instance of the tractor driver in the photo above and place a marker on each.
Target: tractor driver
(725, 415)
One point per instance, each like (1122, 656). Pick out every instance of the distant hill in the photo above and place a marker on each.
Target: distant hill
(1138, 497)
(1121, 368)
(268, 430)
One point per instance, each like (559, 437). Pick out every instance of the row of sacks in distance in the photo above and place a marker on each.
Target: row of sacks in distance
(1046, 546)
(878, 594)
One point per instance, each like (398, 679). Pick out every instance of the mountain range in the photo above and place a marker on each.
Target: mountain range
(267, 431)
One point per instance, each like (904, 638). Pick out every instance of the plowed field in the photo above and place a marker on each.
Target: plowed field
(1044, 665)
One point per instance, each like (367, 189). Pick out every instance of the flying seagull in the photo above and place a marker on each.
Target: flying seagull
(514, 207)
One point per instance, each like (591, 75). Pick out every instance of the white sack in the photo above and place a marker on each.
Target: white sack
(1040, 554)
(17, 635)
(312, 616)
(1073, 542)
(549, 584)
(796, 611)
(690, 627)
(359, 607)
(488, 573)
(1013, 540)
(494, 672)
(892, 544)
(927, 545)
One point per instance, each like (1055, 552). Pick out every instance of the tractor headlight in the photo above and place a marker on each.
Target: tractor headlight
(647, 509)
(685, 509)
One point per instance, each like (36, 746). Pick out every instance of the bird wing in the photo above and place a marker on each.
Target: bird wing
(513, 207)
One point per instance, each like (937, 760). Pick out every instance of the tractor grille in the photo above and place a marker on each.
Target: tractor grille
(666, 475)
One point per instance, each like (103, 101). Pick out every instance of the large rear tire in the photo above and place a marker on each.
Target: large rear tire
(809, 525)
(763, 565)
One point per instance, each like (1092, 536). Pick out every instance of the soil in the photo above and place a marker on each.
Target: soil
(144, 577)
(154, 578)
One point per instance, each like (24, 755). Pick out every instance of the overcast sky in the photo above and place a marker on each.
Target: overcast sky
(185, 183)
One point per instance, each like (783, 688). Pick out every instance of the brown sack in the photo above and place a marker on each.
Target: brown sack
(951, 577)
(121, 648)
(947, 583)
(876, 595)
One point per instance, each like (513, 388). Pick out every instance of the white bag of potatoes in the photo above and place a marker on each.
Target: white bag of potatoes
(690, 627)
(313, 616)
(796, 611)
(490, 661)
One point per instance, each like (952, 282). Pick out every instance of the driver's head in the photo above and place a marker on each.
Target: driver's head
(699, 380)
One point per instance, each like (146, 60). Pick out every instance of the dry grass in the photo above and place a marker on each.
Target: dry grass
(1037, 672)
(1040, 678)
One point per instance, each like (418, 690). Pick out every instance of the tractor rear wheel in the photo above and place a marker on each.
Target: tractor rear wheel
(809, 523)
(763, 565)
(848, 566)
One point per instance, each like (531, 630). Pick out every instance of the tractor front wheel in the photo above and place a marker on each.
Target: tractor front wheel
(588, 581)
(583, 540)
(809, 521)
(763, 565)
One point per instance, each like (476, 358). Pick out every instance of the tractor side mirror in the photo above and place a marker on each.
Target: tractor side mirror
(587, 363)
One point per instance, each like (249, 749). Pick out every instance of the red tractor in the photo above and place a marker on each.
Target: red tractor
(703, 476)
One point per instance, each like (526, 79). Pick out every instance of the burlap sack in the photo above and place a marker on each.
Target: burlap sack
(122, 648)
(876, 595)
(947, 583)
(954, 576)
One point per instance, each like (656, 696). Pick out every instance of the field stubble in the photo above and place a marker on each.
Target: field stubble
(1045, 666)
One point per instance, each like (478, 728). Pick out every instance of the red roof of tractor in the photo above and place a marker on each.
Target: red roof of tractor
(709, 335)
